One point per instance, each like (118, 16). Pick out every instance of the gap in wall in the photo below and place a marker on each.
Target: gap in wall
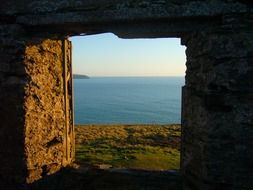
(127, 96)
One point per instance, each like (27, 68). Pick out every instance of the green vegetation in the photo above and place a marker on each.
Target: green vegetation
(149, 147)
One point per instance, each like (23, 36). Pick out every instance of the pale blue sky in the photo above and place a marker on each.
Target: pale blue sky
(108, 55)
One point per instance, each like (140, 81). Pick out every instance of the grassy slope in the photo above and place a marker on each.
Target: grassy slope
(151, 147)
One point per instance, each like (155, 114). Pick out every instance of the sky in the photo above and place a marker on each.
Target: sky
(108, 55)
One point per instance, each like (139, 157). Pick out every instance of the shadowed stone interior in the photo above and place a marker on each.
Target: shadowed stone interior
(36, 131)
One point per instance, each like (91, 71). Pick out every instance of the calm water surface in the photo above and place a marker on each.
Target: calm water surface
(128, 100)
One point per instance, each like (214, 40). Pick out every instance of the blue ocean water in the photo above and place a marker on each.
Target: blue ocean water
(128, 100)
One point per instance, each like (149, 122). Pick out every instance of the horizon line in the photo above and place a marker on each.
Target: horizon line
(130, 75)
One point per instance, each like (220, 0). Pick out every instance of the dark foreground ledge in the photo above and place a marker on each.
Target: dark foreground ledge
(110, 179)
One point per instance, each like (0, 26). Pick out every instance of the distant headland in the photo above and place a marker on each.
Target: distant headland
(77, 76)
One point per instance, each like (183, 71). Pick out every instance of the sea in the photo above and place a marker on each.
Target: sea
(128, 100)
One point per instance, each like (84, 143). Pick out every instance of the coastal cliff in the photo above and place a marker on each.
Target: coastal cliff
(77, 76)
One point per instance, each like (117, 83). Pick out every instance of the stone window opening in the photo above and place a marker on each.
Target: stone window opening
(79, 152)
(36, 130)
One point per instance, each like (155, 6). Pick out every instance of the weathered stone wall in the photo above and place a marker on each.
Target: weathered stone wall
(217, 106)
(218, 109)
(44, 106)
(12, 82)
(33, 112)
(126, 18)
